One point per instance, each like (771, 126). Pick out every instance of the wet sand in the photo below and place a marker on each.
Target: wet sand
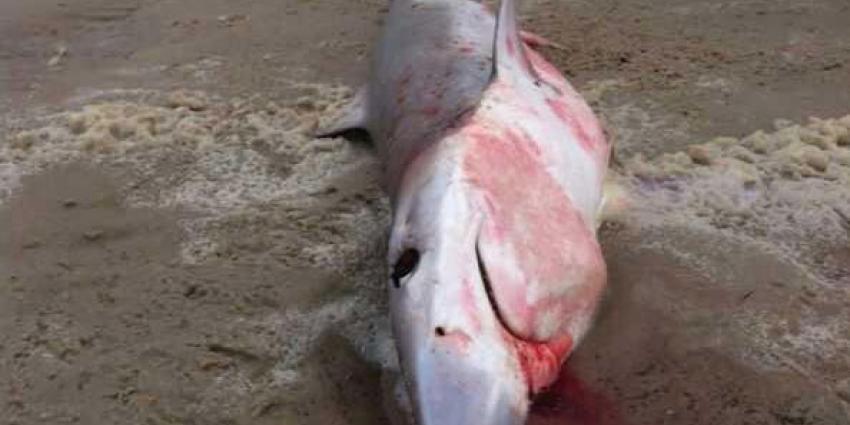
(174, 248)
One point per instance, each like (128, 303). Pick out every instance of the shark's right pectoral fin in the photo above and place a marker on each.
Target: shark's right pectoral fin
(352, 116)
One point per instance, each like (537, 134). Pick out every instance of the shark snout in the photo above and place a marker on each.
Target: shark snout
(458, 367)
(451, 383)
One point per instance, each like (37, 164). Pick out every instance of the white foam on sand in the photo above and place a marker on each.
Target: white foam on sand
(247, 174)
(788, 187)
(783, 194)
(232, 167)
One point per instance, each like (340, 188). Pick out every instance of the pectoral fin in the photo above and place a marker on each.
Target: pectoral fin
(353, 116)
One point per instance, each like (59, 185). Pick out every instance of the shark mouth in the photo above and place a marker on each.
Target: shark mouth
(540, 362)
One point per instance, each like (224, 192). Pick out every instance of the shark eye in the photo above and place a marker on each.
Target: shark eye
(404, 266)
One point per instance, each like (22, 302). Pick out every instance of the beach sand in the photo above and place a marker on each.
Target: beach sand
(176, 249)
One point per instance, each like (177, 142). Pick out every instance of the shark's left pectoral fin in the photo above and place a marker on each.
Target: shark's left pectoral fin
(352, 116)
(509, 46)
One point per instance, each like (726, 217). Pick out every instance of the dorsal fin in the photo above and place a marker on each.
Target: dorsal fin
(508, 49)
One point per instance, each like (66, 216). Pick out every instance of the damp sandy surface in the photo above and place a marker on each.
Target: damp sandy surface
(175, 248)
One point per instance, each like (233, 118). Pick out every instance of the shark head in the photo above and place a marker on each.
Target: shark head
(482, 317)
(457, 364)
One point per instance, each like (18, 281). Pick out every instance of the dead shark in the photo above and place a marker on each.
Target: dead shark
(495, 167)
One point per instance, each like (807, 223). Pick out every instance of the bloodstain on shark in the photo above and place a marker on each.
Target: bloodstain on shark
(535, 224)
(587, 141)
(543, 243)
(540, 362)
(569, 107)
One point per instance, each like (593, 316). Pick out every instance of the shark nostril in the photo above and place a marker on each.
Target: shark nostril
(440, 331)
